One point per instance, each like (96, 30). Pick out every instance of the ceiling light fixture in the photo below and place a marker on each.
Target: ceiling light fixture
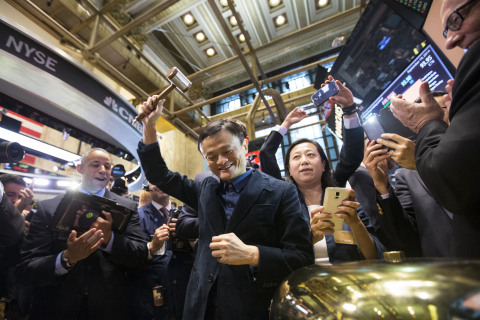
(274, 3)
(241, 37)
(322, 3)
(188, 19)
(200, 36)
(280, 20)
(210, 52)
(39, 146)
(233, 20)
(224, 3)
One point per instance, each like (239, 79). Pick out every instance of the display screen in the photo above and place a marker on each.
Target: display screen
(380, 47)
(419, 6)
(427, 66)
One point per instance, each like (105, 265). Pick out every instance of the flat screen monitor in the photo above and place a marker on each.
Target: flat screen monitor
(427, 66)
(380, 47)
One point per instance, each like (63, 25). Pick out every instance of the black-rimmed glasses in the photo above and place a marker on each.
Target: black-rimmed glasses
(455, 20)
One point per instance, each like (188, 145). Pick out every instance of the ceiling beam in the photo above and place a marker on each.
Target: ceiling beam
(238, 50)
(133, 24)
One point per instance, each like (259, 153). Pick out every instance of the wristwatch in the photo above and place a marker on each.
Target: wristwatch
(64, 261)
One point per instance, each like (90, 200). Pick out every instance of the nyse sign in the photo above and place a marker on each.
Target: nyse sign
(35, 53)
(31, 53)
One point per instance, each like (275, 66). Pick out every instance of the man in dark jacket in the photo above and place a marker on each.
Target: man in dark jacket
(82, 276)
(251, 232)
(447, 156)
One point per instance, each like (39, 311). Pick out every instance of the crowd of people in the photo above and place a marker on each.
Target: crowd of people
(241, 231)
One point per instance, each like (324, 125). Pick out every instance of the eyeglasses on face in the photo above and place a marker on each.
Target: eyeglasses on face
(455, 20)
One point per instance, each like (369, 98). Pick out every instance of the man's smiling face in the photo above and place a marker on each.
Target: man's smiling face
(225, 155)
(95, 170)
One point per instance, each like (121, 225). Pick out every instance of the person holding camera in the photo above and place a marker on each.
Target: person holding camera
(82, 276)
(159, 290)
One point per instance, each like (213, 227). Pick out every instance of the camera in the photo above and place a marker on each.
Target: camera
(77, 211)
(174, 243)
(11, 152)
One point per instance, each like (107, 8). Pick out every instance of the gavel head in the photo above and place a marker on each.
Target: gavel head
(178, 80)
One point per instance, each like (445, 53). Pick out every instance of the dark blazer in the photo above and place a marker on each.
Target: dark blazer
(170, 270)
(432, 221)
(187, 224)
(448, 157)
(96, 286)
(267, 215)
(395, 230)
(12, 223)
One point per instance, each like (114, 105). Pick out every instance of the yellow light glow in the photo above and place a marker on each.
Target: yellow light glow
(274, 3)
(200, 36)
(241, 37)
(233, 21)
(210, 52)
(224, 3)
(322, 3)
(349, 307)
(280, 20)
(188, 19)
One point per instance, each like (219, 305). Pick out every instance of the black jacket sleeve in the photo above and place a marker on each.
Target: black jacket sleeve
(12, 223)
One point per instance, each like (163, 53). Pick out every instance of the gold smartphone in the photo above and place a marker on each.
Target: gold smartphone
(333, 198)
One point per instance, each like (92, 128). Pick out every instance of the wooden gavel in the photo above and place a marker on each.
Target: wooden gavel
(177, 81)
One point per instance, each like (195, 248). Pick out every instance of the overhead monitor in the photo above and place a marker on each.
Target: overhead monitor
(427, 66)
(380, 47)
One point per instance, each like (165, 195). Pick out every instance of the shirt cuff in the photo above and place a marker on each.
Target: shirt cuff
(351, 123)
(280, 129)
(108, 247)
(159, 252)
(385, 196)
(59, 269)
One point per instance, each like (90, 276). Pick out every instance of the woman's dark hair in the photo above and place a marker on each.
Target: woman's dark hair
(327, 177)
(235, 127)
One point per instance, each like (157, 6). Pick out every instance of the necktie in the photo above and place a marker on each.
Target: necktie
(165, 214)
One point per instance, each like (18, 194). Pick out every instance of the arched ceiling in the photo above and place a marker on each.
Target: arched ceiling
(136, 42)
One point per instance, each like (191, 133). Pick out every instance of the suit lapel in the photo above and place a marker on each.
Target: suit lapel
(247, 199)
(214, 212)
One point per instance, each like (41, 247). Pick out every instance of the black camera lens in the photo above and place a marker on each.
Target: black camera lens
(11, 152)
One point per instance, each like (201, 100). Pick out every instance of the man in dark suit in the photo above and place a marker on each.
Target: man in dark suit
(251, 233)
(82, 276)
(12, 223)
(167, 270)
(447, 156)
(12, 226)
(187, 224)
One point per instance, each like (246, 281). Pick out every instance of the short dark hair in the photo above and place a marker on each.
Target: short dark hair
(235, 127)
(12, 178)
(327, 176)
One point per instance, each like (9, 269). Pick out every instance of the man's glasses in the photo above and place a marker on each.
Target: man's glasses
(455, 20)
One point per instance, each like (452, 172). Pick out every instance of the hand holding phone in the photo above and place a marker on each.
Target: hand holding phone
(332, 199)
(373, 128)
(324, 93)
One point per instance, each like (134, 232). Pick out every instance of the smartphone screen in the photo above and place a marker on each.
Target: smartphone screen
(325, 92)
(373, 128)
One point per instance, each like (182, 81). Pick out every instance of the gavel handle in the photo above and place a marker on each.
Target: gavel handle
(162, 95)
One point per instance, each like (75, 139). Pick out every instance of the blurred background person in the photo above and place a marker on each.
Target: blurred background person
(168, 271)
